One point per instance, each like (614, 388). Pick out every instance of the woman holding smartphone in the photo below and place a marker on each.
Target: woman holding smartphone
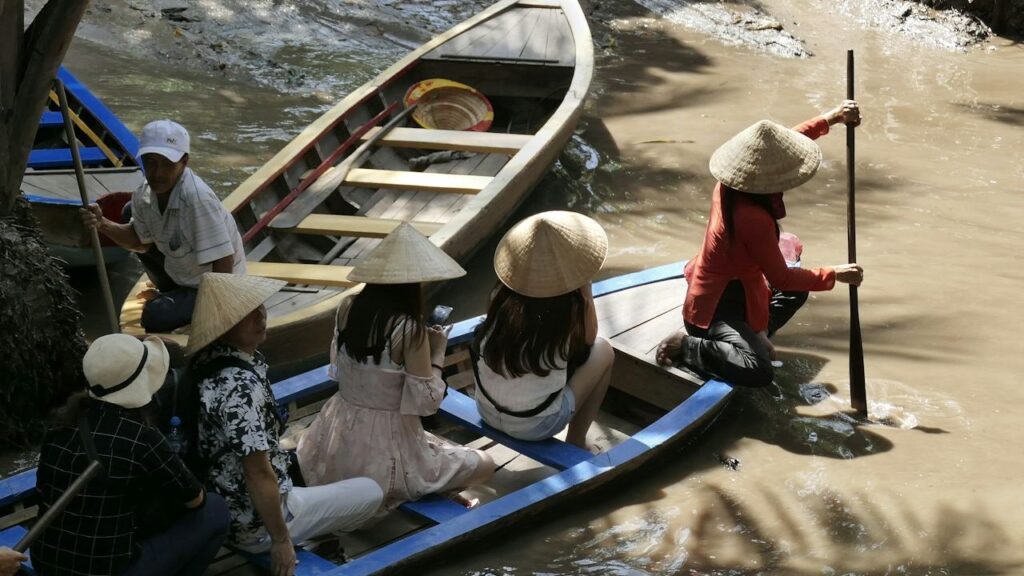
(540, 365)
(387, 362)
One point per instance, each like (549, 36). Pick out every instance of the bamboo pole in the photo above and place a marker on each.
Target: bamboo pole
(97, 249)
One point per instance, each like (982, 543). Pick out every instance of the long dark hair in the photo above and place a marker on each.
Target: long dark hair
(531, 335)
(374, 314)
(729, 198)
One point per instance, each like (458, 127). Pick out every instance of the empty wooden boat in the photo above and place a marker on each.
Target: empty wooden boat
(649, 412)
(107, 149)
(353, 174)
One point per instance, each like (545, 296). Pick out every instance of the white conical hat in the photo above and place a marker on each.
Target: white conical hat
(223, 300)
(550, 254)
(405, 257)
(766, 158)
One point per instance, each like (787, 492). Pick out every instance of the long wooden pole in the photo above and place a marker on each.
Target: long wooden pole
(93, 470)
(97, 249)
(858, 394)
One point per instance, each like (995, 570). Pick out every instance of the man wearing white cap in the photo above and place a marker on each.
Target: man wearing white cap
(177, 225)
(240, 427)
(102, 532)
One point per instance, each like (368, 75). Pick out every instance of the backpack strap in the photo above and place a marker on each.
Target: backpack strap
(474, 357)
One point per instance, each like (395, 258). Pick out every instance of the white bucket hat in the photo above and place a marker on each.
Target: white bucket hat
(550, 254)
(766, 158)
(124, 370)
(166, 138)
(405, 257)
(224, 300)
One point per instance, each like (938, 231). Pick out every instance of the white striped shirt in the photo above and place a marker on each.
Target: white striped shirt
(192, 232)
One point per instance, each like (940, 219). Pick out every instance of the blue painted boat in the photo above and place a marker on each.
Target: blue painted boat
(634, 311)
(107, 148)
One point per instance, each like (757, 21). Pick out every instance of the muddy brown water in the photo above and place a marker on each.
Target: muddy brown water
(930, 484)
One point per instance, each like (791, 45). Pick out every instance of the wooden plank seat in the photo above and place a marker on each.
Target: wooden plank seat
(314, 274)
(434, 507)
(51, 119)
(461, 409)
(426, 181)
(61, 157)
(430, 139)
(355, 226)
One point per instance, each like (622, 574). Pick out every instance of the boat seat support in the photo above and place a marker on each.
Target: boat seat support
(355, 226)
(462, 140)
(314, 274)
(426, 181)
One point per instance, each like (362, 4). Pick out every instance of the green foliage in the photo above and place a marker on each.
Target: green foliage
(40, 339)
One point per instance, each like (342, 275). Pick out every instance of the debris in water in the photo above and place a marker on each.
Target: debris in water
(728, 461)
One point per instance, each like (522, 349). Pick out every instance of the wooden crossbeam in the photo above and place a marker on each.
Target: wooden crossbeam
(426, 181)
(314, 274)
(356, 226)
(427, 139)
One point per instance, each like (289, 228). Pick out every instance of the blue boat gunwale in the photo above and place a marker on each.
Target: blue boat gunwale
(696, 411)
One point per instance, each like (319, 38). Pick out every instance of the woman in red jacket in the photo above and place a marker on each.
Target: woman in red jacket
(740, 288)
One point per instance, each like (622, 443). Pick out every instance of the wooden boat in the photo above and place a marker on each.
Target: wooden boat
(301, 222)
(649, 412)
(107, 148)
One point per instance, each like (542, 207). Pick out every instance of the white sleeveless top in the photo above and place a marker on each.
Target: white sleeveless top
(518, 394)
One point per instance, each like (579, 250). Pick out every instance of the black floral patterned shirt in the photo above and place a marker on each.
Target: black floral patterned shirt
(237, 418)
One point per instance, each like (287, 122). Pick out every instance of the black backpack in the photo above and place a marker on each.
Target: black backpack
(179, 396)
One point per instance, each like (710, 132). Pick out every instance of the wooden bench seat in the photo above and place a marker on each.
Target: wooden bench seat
(314, 274)
(61, 157)
(355, 226)
(51, 119)
(559, 455)
(434, 507)
(429, 139)
(426, 181)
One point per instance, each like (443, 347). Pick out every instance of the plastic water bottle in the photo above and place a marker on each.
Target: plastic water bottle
(176, 438)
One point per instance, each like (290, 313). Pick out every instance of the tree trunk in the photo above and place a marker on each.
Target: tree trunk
(25, 80)
(41, 341)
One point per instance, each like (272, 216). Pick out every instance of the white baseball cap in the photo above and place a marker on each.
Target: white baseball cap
(164, 137)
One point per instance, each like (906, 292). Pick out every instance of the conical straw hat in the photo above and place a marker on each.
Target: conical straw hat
(550, 254)
(766, 158)
(405, 257)
(223, 300)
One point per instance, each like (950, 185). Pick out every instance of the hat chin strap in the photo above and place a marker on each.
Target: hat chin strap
(100, 391)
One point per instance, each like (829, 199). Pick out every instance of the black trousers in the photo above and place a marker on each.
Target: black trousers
(729, 349)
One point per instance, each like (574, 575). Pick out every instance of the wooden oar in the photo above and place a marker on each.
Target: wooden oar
(94, 469)
(858, 393)
(327, 183)
(97, 249)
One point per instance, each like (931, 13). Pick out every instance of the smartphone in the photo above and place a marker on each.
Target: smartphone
(440, 315)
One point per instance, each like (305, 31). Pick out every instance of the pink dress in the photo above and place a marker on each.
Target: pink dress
(371, 427)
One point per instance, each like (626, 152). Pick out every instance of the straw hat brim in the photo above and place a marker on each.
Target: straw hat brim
(449, 105)
(222, 302)
(766, 158)
(550, 254)
(140, 392)
(405, 256)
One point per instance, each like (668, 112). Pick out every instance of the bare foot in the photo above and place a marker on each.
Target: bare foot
(670, 348)
(458, 498)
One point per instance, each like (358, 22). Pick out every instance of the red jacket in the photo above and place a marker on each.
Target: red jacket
(753, 258)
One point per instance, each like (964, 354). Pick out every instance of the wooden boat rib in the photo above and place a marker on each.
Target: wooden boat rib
(533, 61)
(107, 148)
(634, 312)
